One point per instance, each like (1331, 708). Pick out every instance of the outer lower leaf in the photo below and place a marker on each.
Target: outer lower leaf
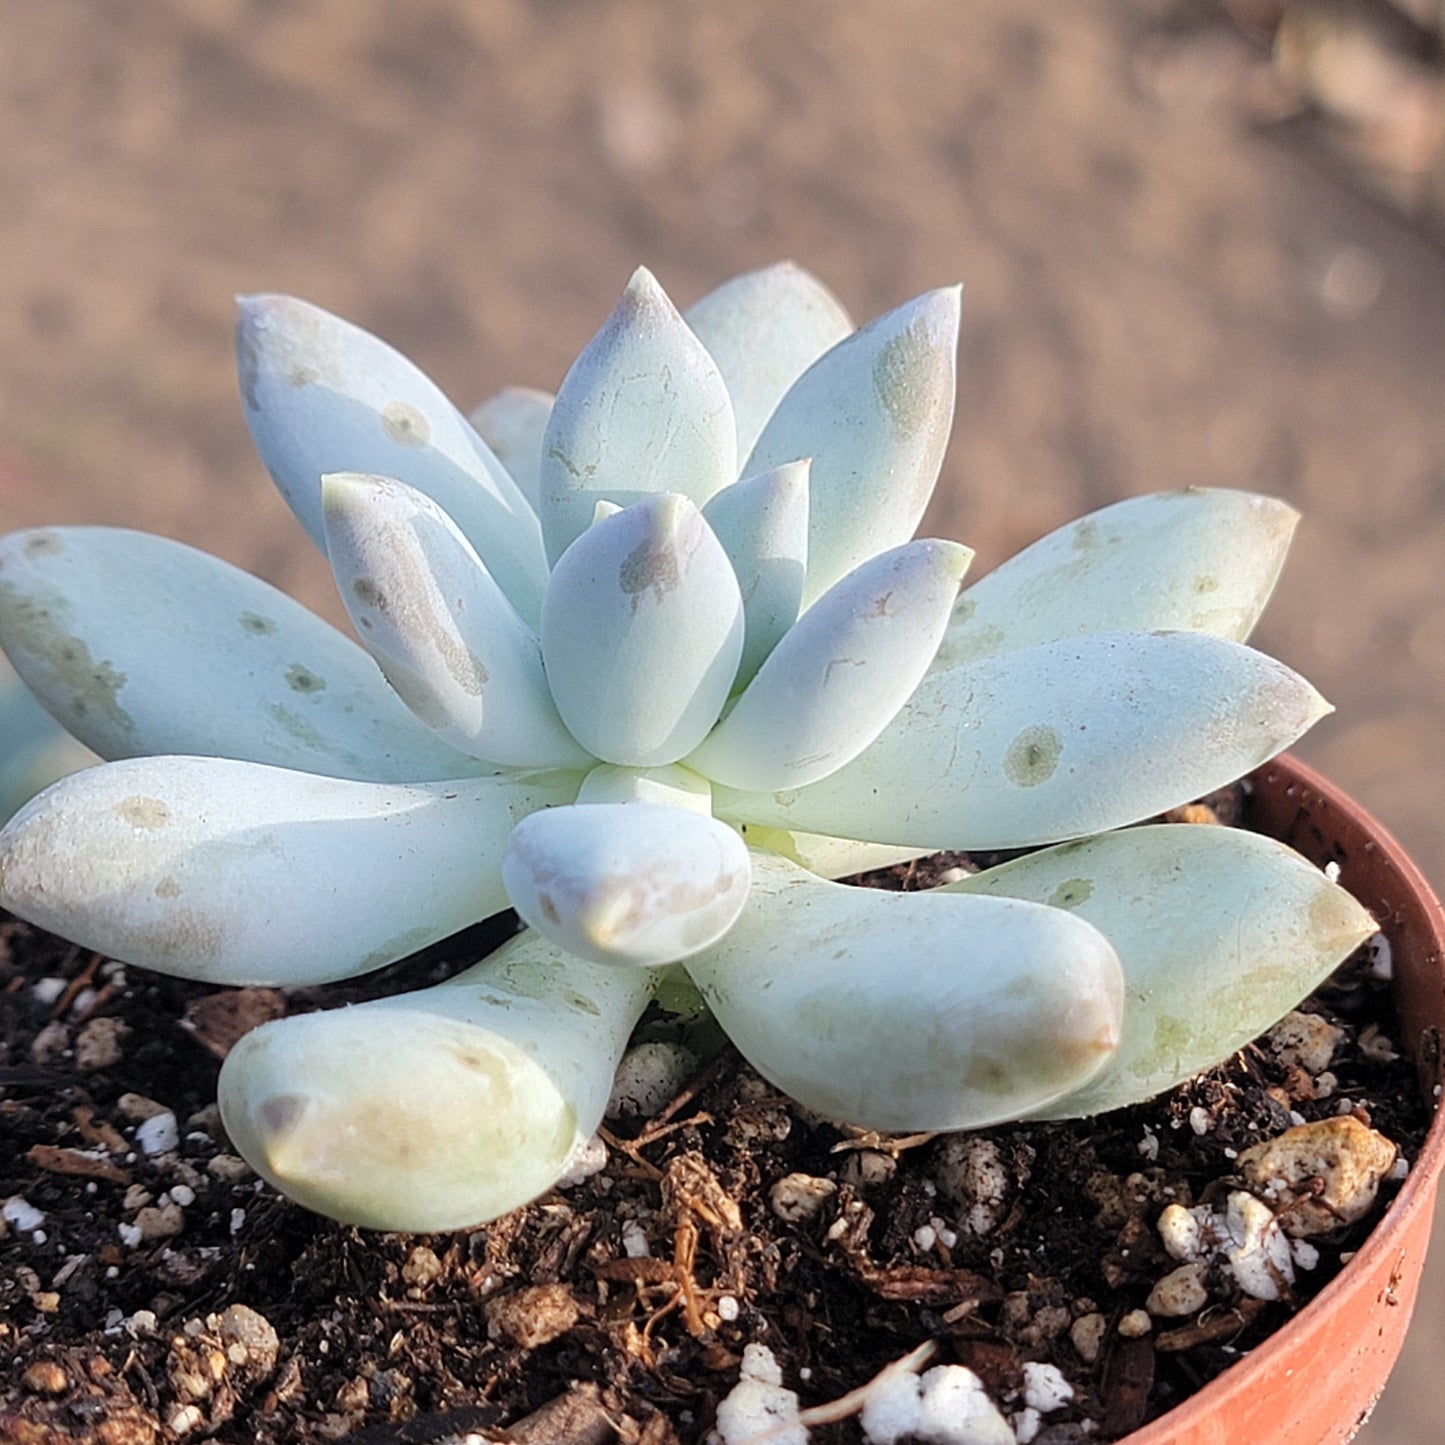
(765, 329)
(1220, 933)
(837, 678)
(1054, 742)
(762, 523)
(437, 1109)
(36, 750)
(1197, 560)
(902, 1011)
(633, 883)
(138, 644)
(440, 628)
(643, 410)
(827, 857)
(324, 396)
(512, 423)
(237, 873)
(641, 633)
(874, 415)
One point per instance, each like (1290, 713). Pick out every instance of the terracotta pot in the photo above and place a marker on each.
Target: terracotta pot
(1316, 1380)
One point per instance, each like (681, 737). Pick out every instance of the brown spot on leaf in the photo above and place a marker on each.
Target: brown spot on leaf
(1033, 755)
(302, 679)
(647, 567)
(405, 424)
(911, 379)
(141, 812)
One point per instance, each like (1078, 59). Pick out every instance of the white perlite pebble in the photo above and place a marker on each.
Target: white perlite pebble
(634, 1240)
(1045, 1387)
(19, 1213)
(759, 1403)
(45, 991)
(973, 1172)
(796, 1197)
(946, 1406)
(1247, 1237)
(182, 1194)
(1382, 959)
(1305, 1039)
(1260, 1257)
(1181, 1292)
(648, 1077)
(587, 1159)
(159, 1134)
(1087, 1336)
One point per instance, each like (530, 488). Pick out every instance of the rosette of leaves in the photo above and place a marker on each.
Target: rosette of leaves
(653, 661)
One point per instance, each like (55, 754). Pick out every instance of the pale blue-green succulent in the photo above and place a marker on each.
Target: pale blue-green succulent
(656, 708)
(34, 749)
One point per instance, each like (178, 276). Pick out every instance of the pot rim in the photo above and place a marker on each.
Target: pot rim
(1416, 1193)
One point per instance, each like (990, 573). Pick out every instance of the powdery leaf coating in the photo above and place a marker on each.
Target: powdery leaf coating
(322, 395)
(764, 329)
(237, 873)
(669, 637)
(340, 1110)
(643, 410)
(512, 424)
(642, 630)
(1200, 982)
(1053, 742)
(199, 657)
(997, 1011)
(762, 523)
(1201, 560)
(840, 674)
(874, 415)
(443, 632)
(631, 883)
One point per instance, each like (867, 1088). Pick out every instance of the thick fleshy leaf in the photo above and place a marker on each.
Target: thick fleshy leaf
(634, 883)
(642, 630)
(36, 749)
(512, 423)
(437, 1109)
(836, 679)
(827, 857)
(1220, 932)
(1053, 742)
(324, 396)
(673, 786)
(764, 329)
(236, 873)
(439, 627)
(874, 415)
(1200, 560)
(902, 1011)
(643, 410)
(138, 644)
(762, 523)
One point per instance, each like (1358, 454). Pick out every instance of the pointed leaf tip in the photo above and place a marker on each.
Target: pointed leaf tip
(643, 410)
(874, 413)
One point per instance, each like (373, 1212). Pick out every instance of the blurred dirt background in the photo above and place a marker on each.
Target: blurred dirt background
(1202, 244)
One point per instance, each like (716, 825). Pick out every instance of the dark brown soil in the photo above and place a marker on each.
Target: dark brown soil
(120, 1308)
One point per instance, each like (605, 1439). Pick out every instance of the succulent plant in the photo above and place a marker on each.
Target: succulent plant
(36, 749)
(653, 662)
